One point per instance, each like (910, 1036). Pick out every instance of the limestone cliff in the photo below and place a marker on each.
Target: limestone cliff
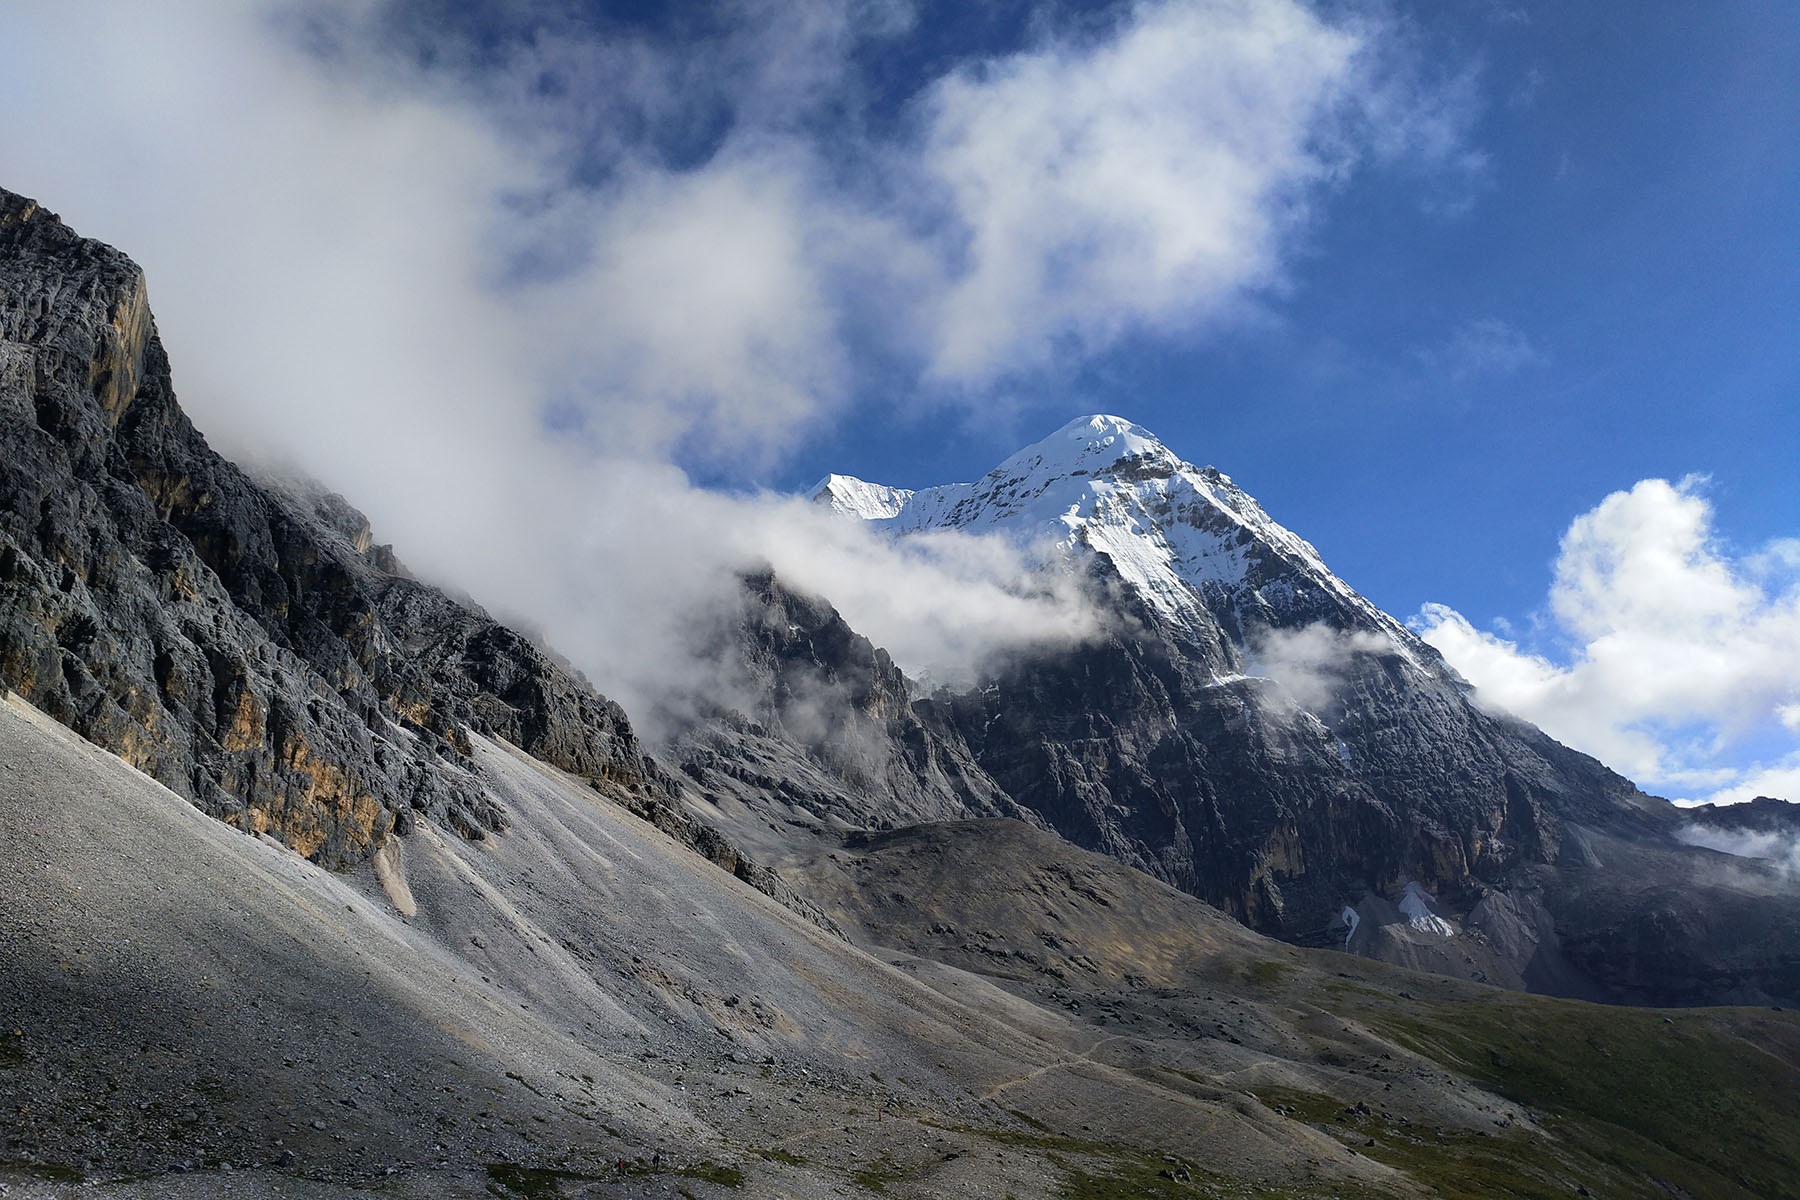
(243, 642)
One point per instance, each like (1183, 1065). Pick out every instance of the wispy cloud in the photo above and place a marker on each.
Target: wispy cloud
(1311, 663)
(1681, 649)
(1486, 347)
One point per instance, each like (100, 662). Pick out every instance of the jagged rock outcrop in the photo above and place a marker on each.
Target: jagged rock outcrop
(1765, 815)
(823, 729)
(1174, 760)
(244, 643)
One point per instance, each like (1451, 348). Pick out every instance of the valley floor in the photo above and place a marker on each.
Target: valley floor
(187, 1010)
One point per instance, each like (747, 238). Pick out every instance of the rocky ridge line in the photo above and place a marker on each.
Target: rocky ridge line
(246, 644)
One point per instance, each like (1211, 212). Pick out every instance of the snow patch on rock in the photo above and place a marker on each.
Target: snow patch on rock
(1415, 906)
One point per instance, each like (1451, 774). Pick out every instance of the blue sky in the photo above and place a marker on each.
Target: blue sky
(568, 295)
(1636, 233)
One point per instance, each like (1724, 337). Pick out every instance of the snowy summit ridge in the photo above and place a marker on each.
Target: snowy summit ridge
(854, 498)
(1179, 533)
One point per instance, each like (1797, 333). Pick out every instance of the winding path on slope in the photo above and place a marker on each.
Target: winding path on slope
(1086, 1056)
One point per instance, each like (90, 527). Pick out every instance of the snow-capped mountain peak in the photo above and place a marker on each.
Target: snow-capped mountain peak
(852, 497)
(1191, 541)
(1086, 445)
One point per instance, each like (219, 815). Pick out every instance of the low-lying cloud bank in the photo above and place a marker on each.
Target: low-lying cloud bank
(493, 275)
(1681, 649)
(1779, 848)
(666, 559)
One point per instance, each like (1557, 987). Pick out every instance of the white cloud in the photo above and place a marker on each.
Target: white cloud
(706, 308)
(491, 311)
(1158, 178)
(1039, 204)
(1780, 779)
(1682, 651)
(1150, 178)
(642, 563)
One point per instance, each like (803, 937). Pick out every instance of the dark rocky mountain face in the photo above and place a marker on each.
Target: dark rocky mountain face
(243, 643)
(1255, 733)
(1162, 753)
(1547, 870)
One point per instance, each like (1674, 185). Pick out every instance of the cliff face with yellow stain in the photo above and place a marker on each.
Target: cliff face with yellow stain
(244, 643)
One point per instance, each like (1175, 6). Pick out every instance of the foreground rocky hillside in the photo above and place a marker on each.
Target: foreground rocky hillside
(192, 1012)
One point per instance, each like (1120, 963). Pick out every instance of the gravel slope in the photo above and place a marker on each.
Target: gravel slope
(189, 1010)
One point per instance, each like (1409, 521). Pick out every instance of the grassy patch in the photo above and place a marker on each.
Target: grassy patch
(1095, 1170)
(1267, 972)
(51, 1171)
(1637, 1104)
(1133, 1176)
(513, 1180)
(1030, 1140)
(1702, 1099)
(1346, 988)
(878, 1174)
(724, 1176)
(1123, 1182)
(776, 1154)
(1457, 1164)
